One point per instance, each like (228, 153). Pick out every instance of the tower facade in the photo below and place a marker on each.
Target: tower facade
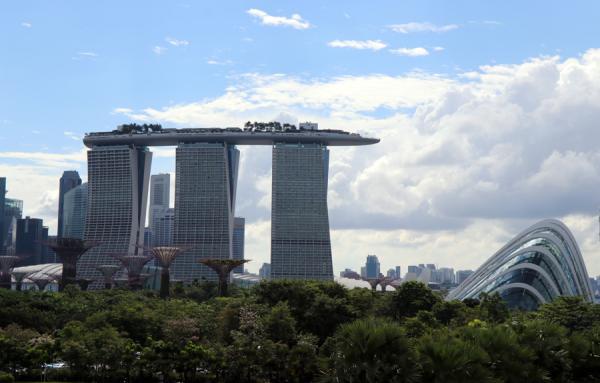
(118, 178)
(3, 228)
(239, 228)
(205, 186)
(300, 240)
(160, 191)
(69, 180)
(74, 211)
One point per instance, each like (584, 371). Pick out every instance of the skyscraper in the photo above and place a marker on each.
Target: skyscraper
(265, 271)
(3, 228)
(398, 272)
(160, 191)
(300, 241)
(30, 233)
(13, 210)
(239, 227)
(164, 221)
(118, 178)
(373, 267)
(74, 211)
(205, 186)
(69, 180)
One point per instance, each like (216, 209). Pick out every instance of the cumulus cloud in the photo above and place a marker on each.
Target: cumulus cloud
(373, 45)
(295, 21)
(463, 164)
(26, 24)
(410, 52)
(422, 27)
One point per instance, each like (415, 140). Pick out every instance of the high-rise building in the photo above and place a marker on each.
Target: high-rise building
(74, 211)
(398, 272)
(118, 178)
(461, 275)
(373, 267)
(300, 239)
(69, 180)
(3, 228)
(48, 255)
(30, 234)
(205, 185)
(391, 273)
(162, 233)
(239, 224)
(13, 210)
(265, 271)
(446, 275)
(160, 191)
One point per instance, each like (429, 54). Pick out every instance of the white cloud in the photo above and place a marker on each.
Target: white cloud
(177, 43)
(438, 49)
(422, 27)
(411, 52)
(26, 24)
(374, 45)
(88, 54)
(219, 62)
(73, 136)
(121, 111)
(295, 21)
(159, 50)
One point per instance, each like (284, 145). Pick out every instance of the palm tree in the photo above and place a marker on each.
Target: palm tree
(371, 350)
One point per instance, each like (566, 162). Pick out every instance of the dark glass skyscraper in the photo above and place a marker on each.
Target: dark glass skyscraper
(30, 233)
(3, 229)
(300, 241)
(69, 180)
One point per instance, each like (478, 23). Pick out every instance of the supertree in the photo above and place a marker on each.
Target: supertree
(19, 277)
(108, 273)
(223, 268)
(41, 281)
(134, 265)
(69, 250)
(374, 282)
(385, 282)
(84, 283)
(165, 255)
(7, 262)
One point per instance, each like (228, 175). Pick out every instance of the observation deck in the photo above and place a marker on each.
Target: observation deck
(234, 136)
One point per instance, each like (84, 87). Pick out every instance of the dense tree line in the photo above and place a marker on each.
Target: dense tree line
(286, 331)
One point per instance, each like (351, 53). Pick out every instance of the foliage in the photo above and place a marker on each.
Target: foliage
(293, 331)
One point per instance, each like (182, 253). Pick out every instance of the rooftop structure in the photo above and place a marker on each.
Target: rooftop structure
(264, 135)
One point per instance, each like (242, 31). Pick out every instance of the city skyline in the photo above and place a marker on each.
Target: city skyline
(487, 115)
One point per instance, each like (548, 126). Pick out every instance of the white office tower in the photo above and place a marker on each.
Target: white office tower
(118, 178)
(205, 184)
(160, 187)
(300, 241)
(74, 211)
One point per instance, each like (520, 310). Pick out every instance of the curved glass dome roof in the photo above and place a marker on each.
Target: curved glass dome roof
(535, 267)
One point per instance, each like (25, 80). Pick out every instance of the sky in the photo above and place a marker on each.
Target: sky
(487, 111)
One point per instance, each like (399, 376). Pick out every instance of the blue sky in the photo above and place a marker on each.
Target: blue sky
(405, 71)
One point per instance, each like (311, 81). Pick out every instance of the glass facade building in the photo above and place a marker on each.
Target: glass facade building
(538, 265)
(205, 186)
(239, 225)
(160, 191)
(118, 178)
(300, 239)
(74, 212)
(69, 180)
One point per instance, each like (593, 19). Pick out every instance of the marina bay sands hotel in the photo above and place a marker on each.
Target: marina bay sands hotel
(205, 192)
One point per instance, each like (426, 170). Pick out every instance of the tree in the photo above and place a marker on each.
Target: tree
(492, 308)
(447, 359)
(411, 297)
(571, 312)
(370, 350)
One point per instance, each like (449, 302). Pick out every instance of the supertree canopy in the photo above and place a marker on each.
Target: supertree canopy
(374, 282)
(7, 262)
(134, 265)
(165, 255)
(223, 268)
(69, 250)
(108, 273)
(41, 281)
